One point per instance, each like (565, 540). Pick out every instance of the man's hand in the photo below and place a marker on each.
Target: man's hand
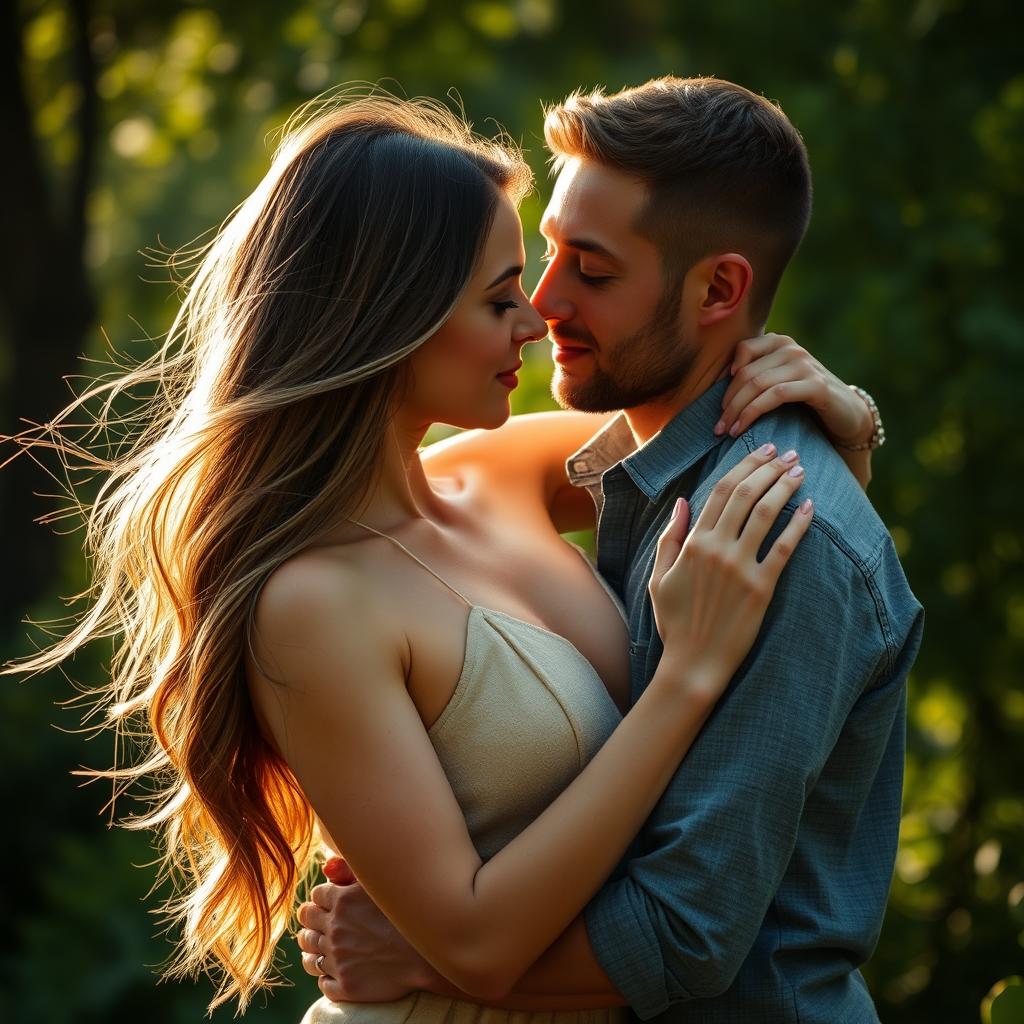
(365, 959)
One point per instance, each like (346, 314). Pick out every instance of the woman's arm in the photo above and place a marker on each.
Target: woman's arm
(345, 723)
(773, 370)
(527, 453)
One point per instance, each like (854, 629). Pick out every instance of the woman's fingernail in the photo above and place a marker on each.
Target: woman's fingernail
(790, 456)
(734, 429)
(806, 507)
(719, 428)
(678, 508)
(766, 450)
(797, 471)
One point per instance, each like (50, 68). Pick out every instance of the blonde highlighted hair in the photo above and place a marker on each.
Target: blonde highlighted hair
(257, 425)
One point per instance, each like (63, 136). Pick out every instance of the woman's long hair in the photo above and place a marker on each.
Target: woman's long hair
(262, 422)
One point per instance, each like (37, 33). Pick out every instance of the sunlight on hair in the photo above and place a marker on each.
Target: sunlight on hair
(256, 427)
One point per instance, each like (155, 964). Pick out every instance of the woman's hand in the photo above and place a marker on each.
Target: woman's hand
(710, 592)
(773, 370)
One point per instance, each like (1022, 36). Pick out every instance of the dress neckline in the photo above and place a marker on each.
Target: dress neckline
(470, 652)
(481, 610)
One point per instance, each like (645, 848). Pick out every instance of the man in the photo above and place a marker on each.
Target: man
(758, 884)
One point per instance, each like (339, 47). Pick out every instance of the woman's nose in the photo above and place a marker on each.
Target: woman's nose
(532, 325)
(538, 325)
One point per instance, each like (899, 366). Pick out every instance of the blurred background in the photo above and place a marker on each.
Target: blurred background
(128, 125)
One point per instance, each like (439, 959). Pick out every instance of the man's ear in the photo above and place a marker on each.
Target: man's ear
(723, 282)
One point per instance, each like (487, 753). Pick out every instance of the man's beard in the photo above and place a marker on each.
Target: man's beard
(647, 365)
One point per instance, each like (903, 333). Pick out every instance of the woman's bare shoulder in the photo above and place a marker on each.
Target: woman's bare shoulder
(325, 601)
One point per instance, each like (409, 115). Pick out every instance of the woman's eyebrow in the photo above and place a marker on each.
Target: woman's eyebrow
(505, 275)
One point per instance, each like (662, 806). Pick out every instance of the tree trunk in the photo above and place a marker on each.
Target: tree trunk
(46, 304)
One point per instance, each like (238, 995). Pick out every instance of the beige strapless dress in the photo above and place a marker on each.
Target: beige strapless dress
(527, 714)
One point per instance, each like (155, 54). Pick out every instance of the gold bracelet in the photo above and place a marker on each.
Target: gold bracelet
(877, 438)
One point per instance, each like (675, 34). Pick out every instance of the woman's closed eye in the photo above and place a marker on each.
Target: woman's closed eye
(504, 305)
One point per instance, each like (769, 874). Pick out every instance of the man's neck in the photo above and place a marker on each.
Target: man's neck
(646, 420)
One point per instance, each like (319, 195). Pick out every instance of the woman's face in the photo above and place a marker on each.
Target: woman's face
(465, 373)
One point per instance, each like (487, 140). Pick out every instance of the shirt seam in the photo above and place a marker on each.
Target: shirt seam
(867, 567)
(780, 945)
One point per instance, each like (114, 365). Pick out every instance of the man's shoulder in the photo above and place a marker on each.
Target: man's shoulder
(847, 559)
(842, 511)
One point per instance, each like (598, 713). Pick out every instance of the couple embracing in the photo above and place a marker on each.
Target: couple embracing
(671, 783)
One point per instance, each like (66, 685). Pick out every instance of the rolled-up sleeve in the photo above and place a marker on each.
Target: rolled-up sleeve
(684, 913)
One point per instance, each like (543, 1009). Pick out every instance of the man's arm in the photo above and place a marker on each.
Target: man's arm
(366, 959)
(825, 682)
(568, 976)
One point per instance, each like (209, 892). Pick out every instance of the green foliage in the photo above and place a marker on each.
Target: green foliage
(1004, 1004)
(914, 118)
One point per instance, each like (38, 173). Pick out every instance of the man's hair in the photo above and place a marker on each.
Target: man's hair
(725, 168)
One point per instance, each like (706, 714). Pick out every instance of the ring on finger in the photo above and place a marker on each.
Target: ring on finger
(319, 962)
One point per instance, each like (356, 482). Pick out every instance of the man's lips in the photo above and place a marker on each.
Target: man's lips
(567, 352)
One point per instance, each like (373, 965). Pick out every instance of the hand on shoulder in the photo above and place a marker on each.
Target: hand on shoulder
(773, 370)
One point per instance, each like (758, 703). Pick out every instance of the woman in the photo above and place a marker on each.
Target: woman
(316, 622)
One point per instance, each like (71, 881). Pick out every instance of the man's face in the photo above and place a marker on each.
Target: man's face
(615, 326)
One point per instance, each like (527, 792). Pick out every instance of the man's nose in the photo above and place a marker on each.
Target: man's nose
(548, 298)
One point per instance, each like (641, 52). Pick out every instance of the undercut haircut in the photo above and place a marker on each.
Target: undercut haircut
(725, 168)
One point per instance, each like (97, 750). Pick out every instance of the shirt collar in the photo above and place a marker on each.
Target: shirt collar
(609, 446)
(682, 442)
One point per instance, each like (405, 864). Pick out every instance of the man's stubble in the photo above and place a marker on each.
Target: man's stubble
(649, 364)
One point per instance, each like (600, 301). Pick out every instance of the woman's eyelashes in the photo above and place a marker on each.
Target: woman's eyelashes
(504, 305)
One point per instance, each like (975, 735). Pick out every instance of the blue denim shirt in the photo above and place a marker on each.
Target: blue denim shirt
(758, 884)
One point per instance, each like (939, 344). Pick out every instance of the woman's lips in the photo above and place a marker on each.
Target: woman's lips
(509, 378)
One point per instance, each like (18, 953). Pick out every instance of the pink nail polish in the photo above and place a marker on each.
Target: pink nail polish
(766, 450)
(806, 507)
(790, 456)
(719, 428)
(797, 471)
(734, 429)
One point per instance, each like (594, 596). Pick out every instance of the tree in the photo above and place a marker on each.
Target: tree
(130, 124)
